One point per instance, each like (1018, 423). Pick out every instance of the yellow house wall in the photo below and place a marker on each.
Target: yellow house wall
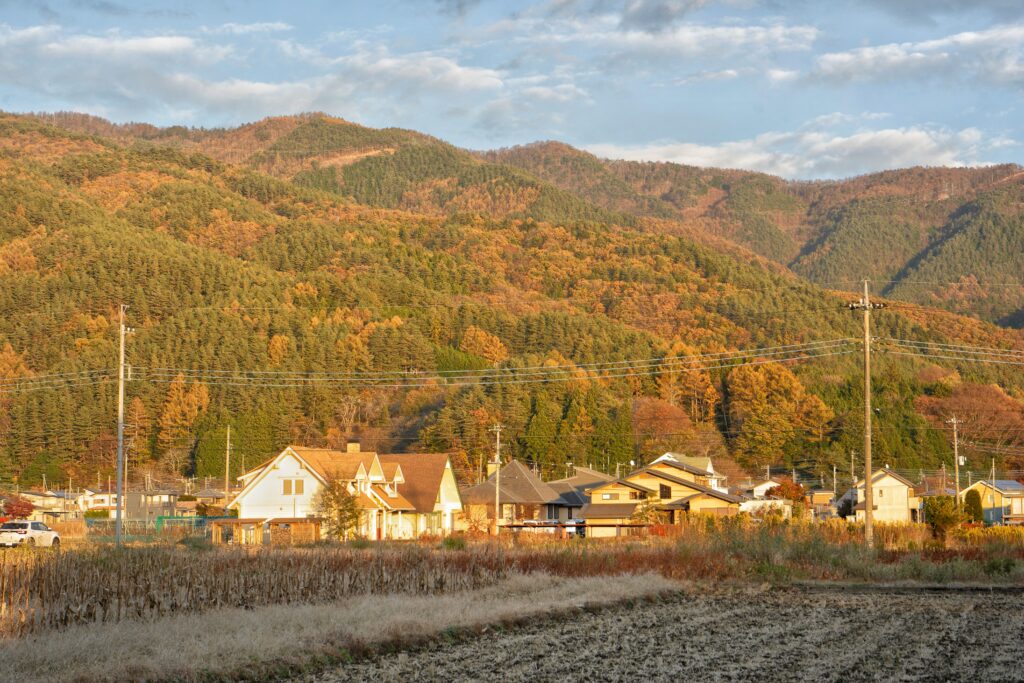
(707, 503)
(680, 474)
(622, 493)
(654, 483)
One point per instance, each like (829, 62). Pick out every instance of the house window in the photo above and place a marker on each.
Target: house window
(880, 492)
(664, 491)
(292, 487)
(634, 495)
(609, 496)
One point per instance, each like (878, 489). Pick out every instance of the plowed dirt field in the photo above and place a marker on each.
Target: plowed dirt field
(770, 635)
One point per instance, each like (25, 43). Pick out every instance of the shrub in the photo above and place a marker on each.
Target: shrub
(942, 514)
(97, 514)
(972, 506)
(453, 543)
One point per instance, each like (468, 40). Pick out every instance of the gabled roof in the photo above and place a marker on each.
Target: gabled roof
(679, 466)
(1007, 486)
(622, 482)
(328, 463)
(571, 489)
(423, 473)
(698, 462)
(392, 502)
(882, 472)
(518, 485)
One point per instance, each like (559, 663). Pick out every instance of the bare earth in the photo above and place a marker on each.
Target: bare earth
(776, 635)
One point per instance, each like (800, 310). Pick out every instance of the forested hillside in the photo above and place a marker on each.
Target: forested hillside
(943, 237)
(935, 236)
(278, 305)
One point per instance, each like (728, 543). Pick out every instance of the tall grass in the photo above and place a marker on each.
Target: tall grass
(54, 590)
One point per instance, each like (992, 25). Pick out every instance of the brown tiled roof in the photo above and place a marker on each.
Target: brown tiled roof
(423, 473)
(396, 502)
(329, 463)
(518, 485)
(571, 489)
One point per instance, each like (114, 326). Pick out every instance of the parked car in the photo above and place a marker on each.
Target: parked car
(24, 532)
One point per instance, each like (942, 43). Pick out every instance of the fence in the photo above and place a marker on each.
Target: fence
(163, 528)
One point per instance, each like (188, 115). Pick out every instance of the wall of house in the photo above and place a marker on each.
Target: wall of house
(655, 483)
(710, 505)
(267, 499)
(892, 500)
(449, 503)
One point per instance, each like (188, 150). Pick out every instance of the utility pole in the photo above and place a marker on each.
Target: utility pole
(120, 430)
(992, 493)
(865, 305)
(227, 465)
(956, 455)
(497, 476)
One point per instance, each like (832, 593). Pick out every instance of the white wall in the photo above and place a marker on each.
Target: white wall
(267, 500)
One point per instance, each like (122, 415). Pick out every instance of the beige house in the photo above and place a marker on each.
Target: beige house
(894, 498)
(667, 486)
(400, 496)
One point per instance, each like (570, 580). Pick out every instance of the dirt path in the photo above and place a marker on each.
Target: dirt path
(792, 635)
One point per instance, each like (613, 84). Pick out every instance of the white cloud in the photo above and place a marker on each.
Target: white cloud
(815, 152)
(710, 75)
(781, 75)
(688, 39)
(992, 55)
(244, 29)
(131, 77)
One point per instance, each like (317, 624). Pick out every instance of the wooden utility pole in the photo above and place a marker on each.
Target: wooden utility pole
(120, 430)
(227, 466)
(865, 305)
(497, 476)
(956, 455)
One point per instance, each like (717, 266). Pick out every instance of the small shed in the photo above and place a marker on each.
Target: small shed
(272, 531)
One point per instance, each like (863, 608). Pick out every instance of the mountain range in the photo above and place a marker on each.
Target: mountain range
(304, 247)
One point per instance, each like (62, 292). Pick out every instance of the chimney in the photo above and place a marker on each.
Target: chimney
(352, 447)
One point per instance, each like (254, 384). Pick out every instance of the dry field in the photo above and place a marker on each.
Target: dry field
(265, 643)
(764, 635)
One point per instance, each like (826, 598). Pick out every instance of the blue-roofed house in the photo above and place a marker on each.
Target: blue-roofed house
(1002, 503)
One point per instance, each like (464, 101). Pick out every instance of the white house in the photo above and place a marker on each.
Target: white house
(894, 498)
(399, 496)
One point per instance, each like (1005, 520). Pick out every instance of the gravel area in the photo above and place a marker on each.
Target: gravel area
(768, 635)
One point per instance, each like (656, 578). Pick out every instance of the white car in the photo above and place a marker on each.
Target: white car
(24, 532)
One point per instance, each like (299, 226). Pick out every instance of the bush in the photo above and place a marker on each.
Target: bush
(453, 543)
(942, 514)
(97, 514)
(972, 506)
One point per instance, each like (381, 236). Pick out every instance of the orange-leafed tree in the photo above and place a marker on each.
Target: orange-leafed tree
(482, 343)
(182, 409)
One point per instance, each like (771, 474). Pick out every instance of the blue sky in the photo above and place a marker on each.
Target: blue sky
(799, 88)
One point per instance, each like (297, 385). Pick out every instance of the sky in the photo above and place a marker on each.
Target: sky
(798, 88)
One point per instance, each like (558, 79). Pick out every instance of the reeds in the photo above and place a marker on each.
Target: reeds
(42, 590)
